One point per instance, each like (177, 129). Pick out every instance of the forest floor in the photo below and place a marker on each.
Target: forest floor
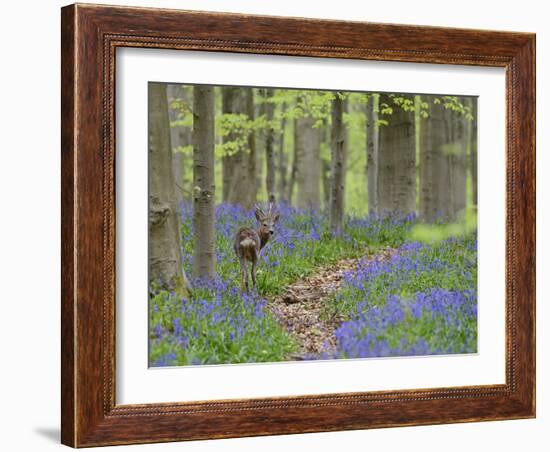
(383, 287)
(300, 306)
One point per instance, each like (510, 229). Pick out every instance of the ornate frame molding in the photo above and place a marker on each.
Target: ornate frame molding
(90, 36)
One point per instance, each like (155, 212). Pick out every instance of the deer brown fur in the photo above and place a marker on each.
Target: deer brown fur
(249, 242)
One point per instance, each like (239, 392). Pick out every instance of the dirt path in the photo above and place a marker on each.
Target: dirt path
(299, 307)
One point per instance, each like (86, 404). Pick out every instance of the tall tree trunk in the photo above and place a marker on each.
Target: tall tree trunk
(178, 167)
(269, 152)
(239, 169)
(238, 177)
(295, 161)
(458, 163)
(177, 138)
(165, 259)
(282, 160)
(259, 137)
(434, 166)
(325, 164)
(203, 181)
(251, 163)
(372, 153)
(338, 159)
(186, 137)
(473, 149)
(228, 161)
(309, 164)
(396, 161)
(442, 164)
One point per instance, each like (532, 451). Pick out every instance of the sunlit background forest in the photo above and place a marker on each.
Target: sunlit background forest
(371, 198)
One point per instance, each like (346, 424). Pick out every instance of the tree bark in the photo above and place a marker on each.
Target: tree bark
(434, 166)
(252, 186)
(442, 164)
(239, 169)
(458, 163)
(396, 161)
(473, 149)
(269, 152)
(372, 153)
(295, 162)
(308, 177)
(230, 105)
(165, 259)
(326, 164)
(282, 160)
(203, 181)
(336, 211)
(177, 138)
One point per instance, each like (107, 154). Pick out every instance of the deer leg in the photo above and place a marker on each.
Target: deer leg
(242, 272)
(253, 273)
(244, 276)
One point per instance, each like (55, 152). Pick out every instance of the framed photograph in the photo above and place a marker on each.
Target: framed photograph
(280, 225)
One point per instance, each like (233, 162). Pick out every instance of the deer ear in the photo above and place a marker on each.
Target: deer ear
(258, 214)
(276, 217)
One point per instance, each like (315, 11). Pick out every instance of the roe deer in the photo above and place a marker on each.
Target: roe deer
(249, 242)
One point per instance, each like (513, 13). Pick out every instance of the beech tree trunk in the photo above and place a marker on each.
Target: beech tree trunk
(282, 161)
(239, 169)
(473, 149)
(308, 175)
(336, 211)
(269, 152)
(442, 164)
(228, 161)
(233, 102)
(177, 138)
(396, 161)
(295, 162)
(203, 181)
(434, 166)
(165, 259)
(326, 167)
(252, 186)
(326, 164)
(456, 150)
(372, 153)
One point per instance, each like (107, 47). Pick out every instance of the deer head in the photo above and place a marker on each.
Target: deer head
(267, 220)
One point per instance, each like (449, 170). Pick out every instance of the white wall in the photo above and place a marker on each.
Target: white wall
(29, 149)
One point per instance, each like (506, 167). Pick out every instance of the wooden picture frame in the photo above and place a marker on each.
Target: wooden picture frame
(90, 36)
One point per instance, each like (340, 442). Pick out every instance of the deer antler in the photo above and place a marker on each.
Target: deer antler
(259, 209)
